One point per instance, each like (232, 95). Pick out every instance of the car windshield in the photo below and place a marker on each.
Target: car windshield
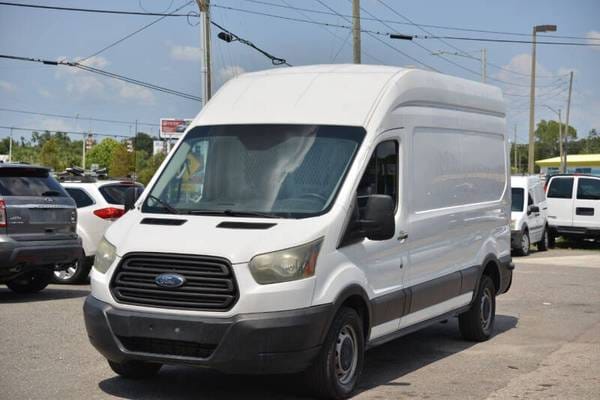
(289, 171)
(518, 198)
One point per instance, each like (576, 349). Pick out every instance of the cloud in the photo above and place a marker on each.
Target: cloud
(7, 87)
(185, 53)
(229, 72)
(593, 38)
(54, 125)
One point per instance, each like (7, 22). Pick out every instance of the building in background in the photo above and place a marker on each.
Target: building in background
(576, 163)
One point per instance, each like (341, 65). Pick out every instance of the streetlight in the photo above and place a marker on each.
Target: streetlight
(531, 156)
(560, 138)
(482, 59)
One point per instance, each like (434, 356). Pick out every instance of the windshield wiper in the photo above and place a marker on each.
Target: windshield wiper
(233, 213)
(165, 205)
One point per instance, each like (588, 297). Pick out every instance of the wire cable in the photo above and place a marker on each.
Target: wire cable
(80, 118)
(105, 73)
(20, 128)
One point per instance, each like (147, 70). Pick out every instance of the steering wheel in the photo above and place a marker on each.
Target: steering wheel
(314, 195)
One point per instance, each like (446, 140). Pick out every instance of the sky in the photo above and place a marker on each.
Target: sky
(168, 54)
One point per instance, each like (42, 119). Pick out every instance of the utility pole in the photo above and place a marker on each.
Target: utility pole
(84, 140)
(204, 6)
(356, 30)
(483, 65)
(10, 145)
(515, 147)
(560, 142)
(567, 121)
(531, 154)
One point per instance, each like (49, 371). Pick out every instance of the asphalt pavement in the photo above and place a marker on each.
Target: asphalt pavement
(547, 345)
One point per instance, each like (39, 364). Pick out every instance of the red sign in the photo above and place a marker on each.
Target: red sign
(172, 127)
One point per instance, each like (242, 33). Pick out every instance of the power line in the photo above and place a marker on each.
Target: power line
(20, 128)
(80, 118)
(381, 41)
(174, 14)
(105, 73)
(452, 28)
(506, 40)
(116, 42)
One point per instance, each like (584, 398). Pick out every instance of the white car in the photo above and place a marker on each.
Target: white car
(308, 214)
(99, 204)
(574, 206)
(528, 214)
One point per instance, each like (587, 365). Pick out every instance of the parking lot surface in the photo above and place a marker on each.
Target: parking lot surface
(547, 345)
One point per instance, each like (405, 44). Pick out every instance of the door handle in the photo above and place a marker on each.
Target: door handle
(402, 235)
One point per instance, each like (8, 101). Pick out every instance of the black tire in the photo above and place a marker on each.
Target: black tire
(31, 282)
(551, 239)
(135, 369)
(523, 250)
(323, 377)
(544, 244)
(77, 273)
(477, 324)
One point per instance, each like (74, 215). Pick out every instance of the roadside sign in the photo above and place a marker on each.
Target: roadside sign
(173, 128)
(158, 147)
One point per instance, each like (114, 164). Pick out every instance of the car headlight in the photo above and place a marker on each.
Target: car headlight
(105, 255)
(286, 265)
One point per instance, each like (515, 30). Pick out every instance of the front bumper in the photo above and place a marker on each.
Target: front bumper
(18, 257)
(272, 342)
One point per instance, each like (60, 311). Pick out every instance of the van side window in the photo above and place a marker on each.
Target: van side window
(588, 189)
(529, 199)
(561, 188)
(381, 175)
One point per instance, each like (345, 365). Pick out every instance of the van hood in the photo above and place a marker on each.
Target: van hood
(200, 235)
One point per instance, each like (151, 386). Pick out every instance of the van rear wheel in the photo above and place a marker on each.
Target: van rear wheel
(544, 244)
(336, 370)
(477, 324)
(135, 369)
(31, 282)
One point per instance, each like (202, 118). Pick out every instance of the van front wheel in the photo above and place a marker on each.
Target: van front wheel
(477, 324)
(336, 370)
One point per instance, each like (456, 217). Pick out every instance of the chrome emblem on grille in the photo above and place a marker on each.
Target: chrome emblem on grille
(169, 280)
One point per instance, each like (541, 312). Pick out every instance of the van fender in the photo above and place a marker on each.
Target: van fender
(493, 261)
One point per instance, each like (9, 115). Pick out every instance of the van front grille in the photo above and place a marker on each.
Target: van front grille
(209, 283)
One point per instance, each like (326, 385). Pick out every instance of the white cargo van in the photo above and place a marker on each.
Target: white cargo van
(306, 215)
(529, 214)
(574, 206)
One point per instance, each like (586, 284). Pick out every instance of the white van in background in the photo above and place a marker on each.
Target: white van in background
(574, 206)
(529, 214)
(306, 215)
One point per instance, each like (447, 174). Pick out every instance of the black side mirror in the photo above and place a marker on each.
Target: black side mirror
(532, 209)
(377, 218)
(131, 196)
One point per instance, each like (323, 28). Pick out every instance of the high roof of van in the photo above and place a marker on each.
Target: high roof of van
(341, 94)
(524, 181)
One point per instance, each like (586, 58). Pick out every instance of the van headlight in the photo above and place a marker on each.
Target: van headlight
(105, 255)
(286, 265)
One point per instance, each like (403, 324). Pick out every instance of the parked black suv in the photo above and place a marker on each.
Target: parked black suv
(38, 223)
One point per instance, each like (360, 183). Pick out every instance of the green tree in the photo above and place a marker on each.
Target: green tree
(50, 155)
(144, 142)
(121, 163)
(102, 153)
(145, 174)
(547, 139)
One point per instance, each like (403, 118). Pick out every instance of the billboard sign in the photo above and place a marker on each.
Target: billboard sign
(173, 128)
(158, 146)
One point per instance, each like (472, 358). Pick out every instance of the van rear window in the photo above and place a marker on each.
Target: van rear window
(29, 182)
(560, 188)
(588, 189)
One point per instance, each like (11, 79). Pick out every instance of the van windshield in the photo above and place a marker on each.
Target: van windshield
(518, 198)
(287, 171)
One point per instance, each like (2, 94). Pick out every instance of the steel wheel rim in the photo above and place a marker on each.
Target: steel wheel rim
(525, 243)
(67, 273)
(346, 354)
(486, 309)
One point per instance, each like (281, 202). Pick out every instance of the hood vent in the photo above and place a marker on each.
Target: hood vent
(245, 225)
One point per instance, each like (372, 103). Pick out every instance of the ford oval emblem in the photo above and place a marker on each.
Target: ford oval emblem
(169, 280)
